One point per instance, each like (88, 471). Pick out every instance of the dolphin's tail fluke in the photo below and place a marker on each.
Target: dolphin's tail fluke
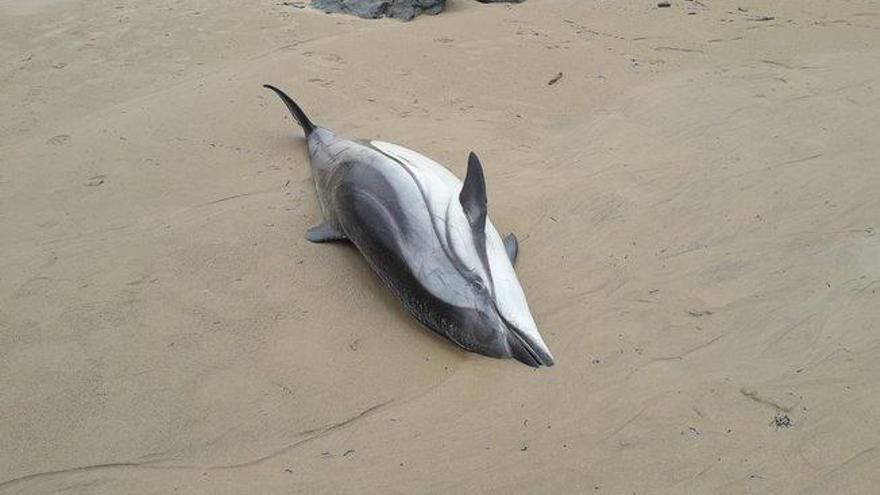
(295, 110)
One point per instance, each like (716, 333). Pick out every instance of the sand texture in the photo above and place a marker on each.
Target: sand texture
(697, 199)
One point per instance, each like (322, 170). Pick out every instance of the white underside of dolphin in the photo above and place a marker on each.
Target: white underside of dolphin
(428, 237)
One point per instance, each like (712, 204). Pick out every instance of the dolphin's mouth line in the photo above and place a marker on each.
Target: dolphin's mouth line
(528, 348)
(523, 340)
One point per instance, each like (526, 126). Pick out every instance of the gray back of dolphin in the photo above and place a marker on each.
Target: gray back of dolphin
(427, 236)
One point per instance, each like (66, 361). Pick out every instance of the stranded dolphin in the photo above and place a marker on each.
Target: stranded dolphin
(427, 235)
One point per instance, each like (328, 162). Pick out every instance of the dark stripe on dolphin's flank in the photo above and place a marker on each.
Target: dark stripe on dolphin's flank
(377, 230)
(479, 238)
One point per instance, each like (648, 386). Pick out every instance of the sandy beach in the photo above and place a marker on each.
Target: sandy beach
(697, 199)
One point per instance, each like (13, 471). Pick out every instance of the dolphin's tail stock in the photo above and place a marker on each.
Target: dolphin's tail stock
(295, 110)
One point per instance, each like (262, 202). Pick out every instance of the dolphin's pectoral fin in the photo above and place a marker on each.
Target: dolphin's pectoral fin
(511, 245)
(325, 232)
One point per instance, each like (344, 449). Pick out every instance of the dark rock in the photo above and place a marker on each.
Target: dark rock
(373, 9)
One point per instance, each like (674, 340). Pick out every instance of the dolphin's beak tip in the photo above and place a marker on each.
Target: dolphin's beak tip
(541, 354)
(547, 361)
(536, 357)
(533, 363)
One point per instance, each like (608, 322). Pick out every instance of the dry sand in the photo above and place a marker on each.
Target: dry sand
(698, 200)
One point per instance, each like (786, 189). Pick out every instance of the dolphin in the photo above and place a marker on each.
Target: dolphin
(427, 236)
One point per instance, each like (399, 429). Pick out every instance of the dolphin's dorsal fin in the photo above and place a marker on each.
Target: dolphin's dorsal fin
(473, 194)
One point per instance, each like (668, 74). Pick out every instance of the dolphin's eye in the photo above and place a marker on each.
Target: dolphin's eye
(479, 285)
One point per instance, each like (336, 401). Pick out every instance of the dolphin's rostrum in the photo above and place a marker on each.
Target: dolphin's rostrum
(427, 235)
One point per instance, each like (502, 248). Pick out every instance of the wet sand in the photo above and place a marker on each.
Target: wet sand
(696, 199)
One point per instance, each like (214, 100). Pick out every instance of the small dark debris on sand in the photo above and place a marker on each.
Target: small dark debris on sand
(782, 421)
(95, 181)
(59, 139)
(555, 79)
(697, 314)
(664, 4)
